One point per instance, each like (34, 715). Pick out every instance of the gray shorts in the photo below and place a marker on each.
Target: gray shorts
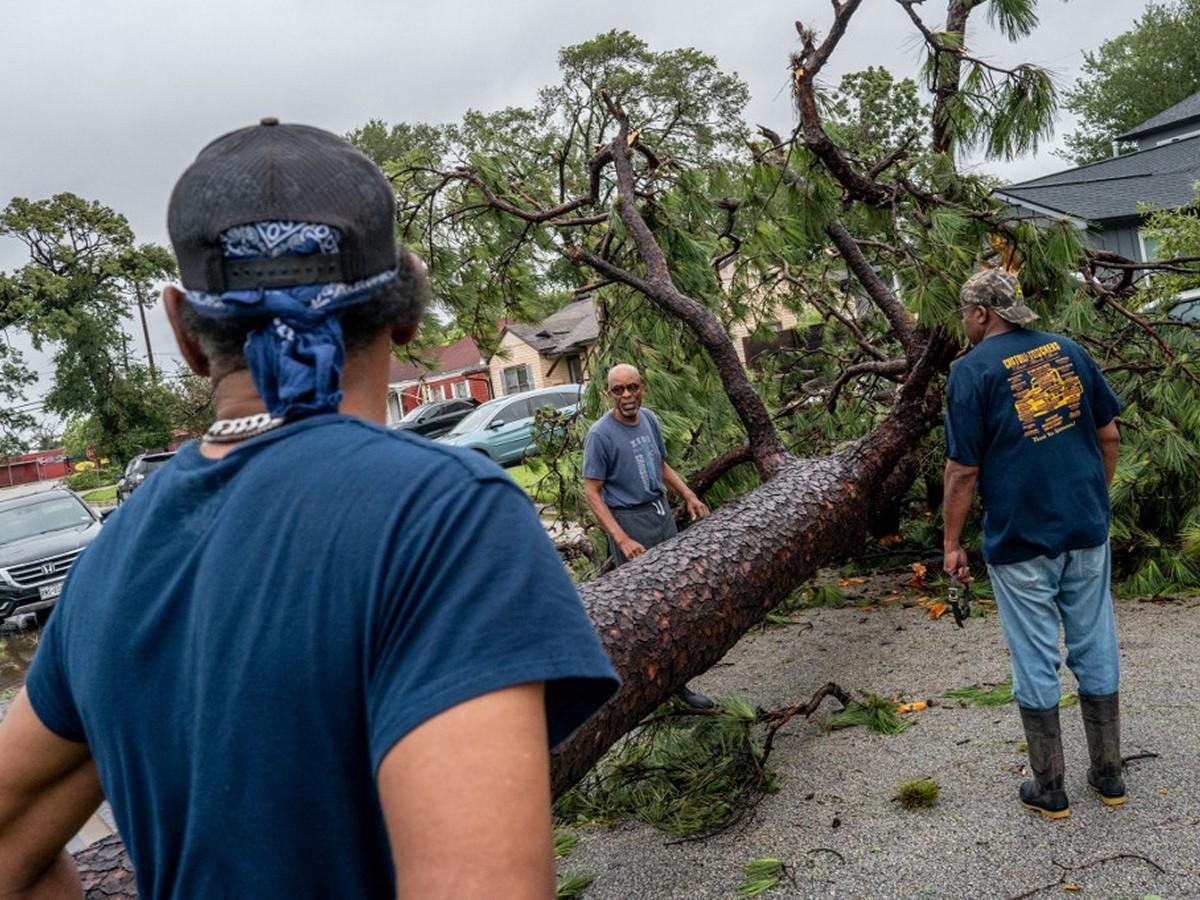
(649, 524)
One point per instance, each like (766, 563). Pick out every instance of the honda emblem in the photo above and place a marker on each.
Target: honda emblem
(48, 569)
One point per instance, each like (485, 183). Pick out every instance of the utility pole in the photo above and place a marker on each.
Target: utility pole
(146, 334)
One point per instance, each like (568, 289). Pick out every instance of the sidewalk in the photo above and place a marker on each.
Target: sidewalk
(835, 824)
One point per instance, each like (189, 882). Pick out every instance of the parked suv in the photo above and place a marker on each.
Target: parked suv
(137, 471)
(503, 428)
(435, 419)
(41, 535)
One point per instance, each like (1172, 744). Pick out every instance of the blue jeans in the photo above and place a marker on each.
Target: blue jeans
(1032, 597)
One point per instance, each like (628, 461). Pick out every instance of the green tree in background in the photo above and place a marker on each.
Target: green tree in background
(84, 278)
(1134, 76)
(14, 421)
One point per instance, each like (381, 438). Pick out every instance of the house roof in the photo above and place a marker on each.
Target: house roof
(462, 355)
(570, 329)
(1163, 177)
(1185, 111)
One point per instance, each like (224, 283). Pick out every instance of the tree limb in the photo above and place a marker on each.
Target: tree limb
(881, 295)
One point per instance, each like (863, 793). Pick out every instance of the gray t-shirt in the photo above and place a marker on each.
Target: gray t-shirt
(627, 458)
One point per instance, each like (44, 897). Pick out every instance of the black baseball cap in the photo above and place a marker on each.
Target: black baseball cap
(276, 172)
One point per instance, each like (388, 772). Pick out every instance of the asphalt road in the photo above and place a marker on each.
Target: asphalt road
(834, 820)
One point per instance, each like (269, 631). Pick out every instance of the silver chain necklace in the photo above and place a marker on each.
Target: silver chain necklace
(227, 431)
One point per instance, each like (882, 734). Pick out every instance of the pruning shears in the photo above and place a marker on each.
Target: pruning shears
(960, 600)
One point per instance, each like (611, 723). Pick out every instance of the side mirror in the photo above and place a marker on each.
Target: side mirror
(105, 513)
(496, 425)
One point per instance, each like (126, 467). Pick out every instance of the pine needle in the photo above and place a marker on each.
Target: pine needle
(762, 873)
(573, 884)
(980, 695)
(920, 794)
(564, 843)
(684, 774)
(875, 712)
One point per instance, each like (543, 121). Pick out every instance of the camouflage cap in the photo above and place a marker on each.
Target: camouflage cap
(998, 291)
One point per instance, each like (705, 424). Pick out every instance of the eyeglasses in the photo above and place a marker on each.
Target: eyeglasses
(619, 390)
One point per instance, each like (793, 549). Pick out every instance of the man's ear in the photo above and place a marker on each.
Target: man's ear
(402, 334)
(189, 347)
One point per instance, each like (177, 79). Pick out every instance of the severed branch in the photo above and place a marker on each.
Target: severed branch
(892, 369)
(780, 717)
(881, 295)
(704, 479)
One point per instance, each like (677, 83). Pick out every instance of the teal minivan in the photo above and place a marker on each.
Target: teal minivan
(503, 428)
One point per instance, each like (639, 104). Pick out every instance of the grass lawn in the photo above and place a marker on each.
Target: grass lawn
(526, 477)
(101, 494)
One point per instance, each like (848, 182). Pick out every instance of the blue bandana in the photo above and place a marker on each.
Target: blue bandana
(296, 360)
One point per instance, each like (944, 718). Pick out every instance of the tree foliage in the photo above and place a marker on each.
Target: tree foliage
(84, 275)
(1134, 76)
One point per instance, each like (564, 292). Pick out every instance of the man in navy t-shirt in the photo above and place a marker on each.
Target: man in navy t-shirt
(1030, 422)
(626, 477)
(312, 657)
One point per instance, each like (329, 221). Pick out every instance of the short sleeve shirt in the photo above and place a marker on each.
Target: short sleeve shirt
(1024, 406)
(248, 637)
(627, 458)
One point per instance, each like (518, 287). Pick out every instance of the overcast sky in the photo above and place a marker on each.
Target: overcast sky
(111, 100)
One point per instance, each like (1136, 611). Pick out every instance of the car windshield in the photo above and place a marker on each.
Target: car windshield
(54, 514)
(474, 420)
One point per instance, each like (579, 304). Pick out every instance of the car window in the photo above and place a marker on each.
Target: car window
(477, 419)
(415, 414)
(515, 411)
(52, 514)
(566, 398)
(150, 463)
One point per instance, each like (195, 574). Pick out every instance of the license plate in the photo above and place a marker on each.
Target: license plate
(50, 591)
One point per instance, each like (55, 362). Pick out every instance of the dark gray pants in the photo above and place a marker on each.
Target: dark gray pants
(649, 524)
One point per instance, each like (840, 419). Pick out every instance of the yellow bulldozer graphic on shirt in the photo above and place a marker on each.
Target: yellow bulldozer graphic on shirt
(1048, 390)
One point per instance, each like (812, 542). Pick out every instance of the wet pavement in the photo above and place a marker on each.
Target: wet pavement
(17, 647)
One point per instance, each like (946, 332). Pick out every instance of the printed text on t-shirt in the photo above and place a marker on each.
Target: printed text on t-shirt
(1047, 393)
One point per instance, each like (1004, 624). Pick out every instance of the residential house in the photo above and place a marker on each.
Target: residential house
(457, 370)
(1103, 198)
(554, 351)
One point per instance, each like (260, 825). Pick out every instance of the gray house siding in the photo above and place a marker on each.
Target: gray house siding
(1119, 237)
(1150, 141)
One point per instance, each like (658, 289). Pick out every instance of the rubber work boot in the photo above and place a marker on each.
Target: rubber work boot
(1045, 792)
(1102, 723)
(693, 699)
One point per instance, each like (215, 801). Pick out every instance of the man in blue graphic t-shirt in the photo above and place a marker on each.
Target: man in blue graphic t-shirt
(626, 475)
(1030, 423)
(311, 657)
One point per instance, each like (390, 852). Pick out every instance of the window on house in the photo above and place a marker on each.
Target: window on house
(770, 339)
(575, 369)
(517, 379)
(462, 390)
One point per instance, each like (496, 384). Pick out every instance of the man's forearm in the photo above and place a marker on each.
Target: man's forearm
(676, 484)
(604, 516)
(956, 502)
(1110, 451)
